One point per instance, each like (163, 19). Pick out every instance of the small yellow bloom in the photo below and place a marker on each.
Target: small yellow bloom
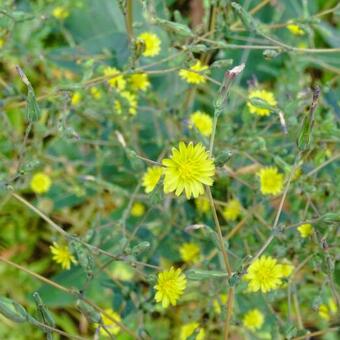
(188, 169)
(271, 181)
(295, 29)
(130, 99)
(202, 122)
(264, 274)
(2, 42)
(305, 230)
(62, 255)
(190, 252)
(76, 98)
(152, 44)
(266, 96)
(232, 210)
(253, 320)
(110, 325)
(95, 93)
(138, 209)
(326, 311)
(117, 81)
(60, 13)
(202, 204)
(216, 303)
(40, 183)
(121, 271)
(151, 178)
(194, 77)
(286, 268)
(139, 82)
(188, 330)
(170, 286)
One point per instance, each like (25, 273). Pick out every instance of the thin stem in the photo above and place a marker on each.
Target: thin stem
(70, 292)
(219, 232)
(317, 333)
(129, 19)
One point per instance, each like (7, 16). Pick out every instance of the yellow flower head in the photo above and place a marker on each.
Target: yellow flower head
(76, 97)
(202, 122)
(202, 204)
(152, 44)
(60, 13)
(264, 274)
(151, 178)
(117, 81)
(295, 29)
(266, 96)
(190, 252)
(40, 183)
(232, 210)
(188, 169)
(188, 330)
(253, 320)
(216, 303)
(62, 255)
(131, 101)
(95, 93)
(286, 268)
(327, 310)
(138, 209)
(271, 181)
(110, 325)
(305, 230)
(139, 82)
(194, 77)
(170, 286)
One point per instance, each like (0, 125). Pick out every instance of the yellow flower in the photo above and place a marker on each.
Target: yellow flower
(95, 93)
(117, 81)
(110, 325)
(286, 268)
(264, 274)
(62, 255)
(138, 209)
(60, 13)
(76, 97)
(253, 320)
(305, 230)
(216, 303)
(232, 210)
(188, 169)
(326, 311)
(190, 252)
(295, 29)
(121, 271)
(194, 77)
(131, 100)
(266, 96)
(271, 181)
(170, 286)
(40, 183)
(202, 204)
(188, 330)
(2, 42)
(152, 44)
(151, 178)
(139, 82)
(202, 122)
